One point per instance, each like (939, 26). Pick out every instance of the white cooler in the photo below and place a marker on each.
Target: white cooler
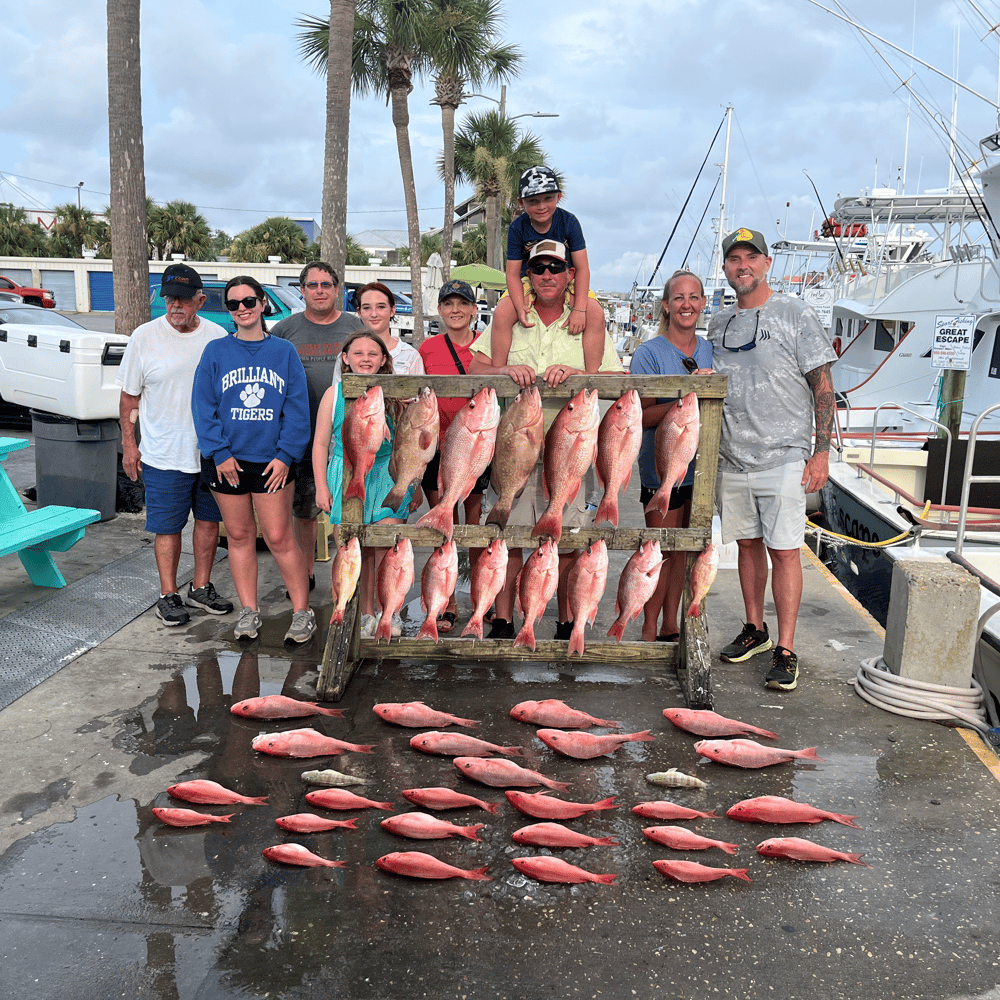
(60, 370)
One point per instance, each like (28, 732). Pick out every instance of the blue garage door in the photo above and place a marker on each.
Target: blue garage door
(102, 291)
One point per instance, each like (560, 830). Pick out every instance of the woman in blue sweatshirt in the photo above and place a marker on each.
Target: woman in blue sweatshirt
(251, 412)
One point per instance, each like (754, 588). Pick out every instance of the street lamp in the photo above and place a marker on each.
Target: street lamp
(79, 189)
(503, 106)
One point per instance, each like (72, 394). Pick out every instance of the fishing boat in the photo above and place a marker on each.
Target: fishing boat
(912, 316)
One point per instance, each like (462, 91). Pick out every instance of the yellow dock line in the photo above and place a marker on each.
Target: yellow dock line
(971, 737)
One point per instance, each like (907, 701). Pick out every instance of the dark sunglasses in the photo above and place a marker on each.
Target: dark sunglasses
(249, 302)
(742, 347)
(553, 266)
(690, 365)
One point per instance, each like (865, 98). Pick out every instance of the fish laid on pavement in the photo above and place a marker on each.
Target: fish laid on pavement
(682, 839)
(417, 715)
(211, 793)
(437, 584)
(586, 583)
(702, 577)
(541, 805)
(547, 869)
(416, 864)
(670, 810)
(586, 746)
(703, 722)
(777, 809)
(440, 797)
(277, 706)
(674, 445)
(536, 583)
(619, 438)
(341, 798)
(556, 713)
(187, 817)
(296, 854)
(503, 773)
(673, 778)
(305, 743)
(557, 835)
(392, 583)
(466, 450)
(414, 443)
(488, 575)
(636, 585)
(421, 826)
(346, 573)
(460, 745)
(520, 437)
(800, 849)
(364, 430)
(570, 449)
(330, 778)
(311, 823)
(691, 871)
(750, 753)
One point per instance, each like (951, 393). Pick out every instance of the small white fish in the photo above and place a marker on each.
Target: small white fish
(675, 779)
(332, 779)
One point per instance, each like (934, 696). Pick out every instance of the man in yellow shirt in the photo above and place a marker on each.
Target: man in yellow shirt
(547, 350)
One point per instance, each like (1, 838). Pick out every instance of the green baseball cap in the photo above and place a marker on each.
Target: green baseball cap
(749, 236)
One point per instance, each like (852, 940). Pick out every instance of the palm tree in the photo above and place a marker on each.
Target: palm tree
(491, 153)
(18, 236)
(275, 237)
(75, 229)
(356, 255)
(128, 172)
(178, 227)
(465, 54)
(391, 45)
(472, 249)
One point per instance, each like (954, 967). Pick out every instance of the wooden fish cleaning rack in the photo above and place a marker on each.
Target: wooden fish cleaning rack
(345, 649)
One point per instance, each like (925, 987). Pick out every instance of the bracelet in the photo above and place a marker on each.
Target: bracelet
(578, 310)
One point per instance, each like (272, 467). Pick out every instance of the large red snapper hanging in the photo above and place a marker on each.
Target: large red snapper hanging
(618, 440)
(520, 437)
(636, 585)
(392, 583)
(364, 430)
(437, 584)
(586, 583)
(488, 575)
(414, 443)
(536, 583)
(674, 445)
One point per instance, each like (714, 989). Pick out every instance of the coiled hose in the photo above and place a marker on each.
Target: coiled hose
(918, 699)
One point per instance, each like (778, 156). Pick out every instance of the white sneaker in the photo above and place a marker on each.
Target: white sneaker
(368, 625)
(248, 624)
(396, 626)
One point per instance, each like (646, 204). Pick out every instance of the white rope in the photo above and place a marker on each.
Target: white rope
(918, 699)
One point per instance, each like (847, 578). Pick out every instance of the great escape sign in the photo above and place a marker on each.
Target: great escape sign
(952, 347)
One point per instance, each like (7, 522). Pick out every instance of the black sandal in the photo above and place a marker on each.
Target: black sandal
(671, 637)
(446, 618)
(489, 616)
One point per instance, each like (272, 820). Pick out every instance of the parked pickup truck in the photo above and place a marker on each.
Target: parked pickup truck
(33, 296)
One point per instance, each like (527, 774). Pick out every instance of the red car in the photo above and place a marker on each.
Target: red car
(33, 296)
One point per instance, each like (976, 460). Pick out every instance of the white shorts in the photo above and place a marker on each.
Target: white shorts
(770, 504)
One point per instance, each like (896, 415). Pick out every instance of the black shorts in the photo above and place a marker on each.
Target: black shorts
(430, 480)
(679, 496)
(252, 478)
(304, 501)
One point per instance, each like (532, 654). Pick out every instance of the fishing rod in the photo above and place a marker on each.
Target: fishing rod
(687, 199)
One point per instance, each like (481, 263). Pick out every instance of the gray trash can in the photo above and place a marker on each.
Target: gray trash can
(76, 462)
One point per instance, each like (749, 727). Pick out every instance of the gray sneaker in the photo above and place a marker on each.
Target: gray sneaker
(170, 610)
(248, 625)
(303, 626)
(207, 598)
(368, 625)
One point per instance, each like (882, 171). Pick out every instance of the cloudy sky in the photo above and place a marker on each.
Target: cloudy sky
(234, 120)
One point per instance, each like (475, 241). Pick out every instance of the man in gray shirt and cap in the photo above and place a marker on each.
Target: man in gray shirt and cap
(777, 357)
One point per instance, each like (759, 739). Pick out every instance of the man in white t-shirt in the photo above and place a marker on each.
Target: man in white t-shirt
(156, 377)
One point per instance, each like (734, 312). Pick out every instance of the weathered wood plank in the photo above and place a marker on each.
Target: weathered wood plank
(653, 657)
(340, 654)
(608, 386)
(694, 663)
(477, 536)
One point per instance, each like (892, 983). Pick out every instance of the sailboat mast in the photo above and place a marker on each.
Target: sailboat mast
(717, 270)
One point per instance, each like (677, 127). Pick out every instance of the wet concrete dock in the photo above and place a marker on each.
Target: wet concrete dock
(98, 899)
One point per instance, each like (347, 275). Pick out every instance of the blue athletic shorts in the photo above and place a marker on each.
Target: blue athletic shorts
(171, 496)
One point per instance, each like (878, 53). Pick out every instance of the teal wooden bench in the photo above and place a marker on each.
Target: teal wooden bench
(33, 534)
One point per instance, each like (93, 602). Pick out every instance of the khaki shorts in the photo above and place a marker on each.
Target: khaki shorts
(769, 504)
(531, 504)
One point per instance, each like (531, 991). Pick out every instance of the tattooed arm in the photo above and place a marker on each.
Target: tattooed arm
(817, 469)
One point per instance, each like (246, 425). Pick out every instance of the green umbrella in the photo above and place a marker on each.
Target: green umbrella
(480, 274)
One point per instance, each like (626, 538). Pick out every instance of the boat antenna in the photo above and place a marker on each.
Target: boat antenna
(688, 198)
(711, 198)
(836, 241)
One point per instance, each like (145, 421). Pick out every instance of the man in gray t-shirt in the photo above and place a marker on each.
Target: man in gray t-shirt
(317, 334)
(777, 357)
